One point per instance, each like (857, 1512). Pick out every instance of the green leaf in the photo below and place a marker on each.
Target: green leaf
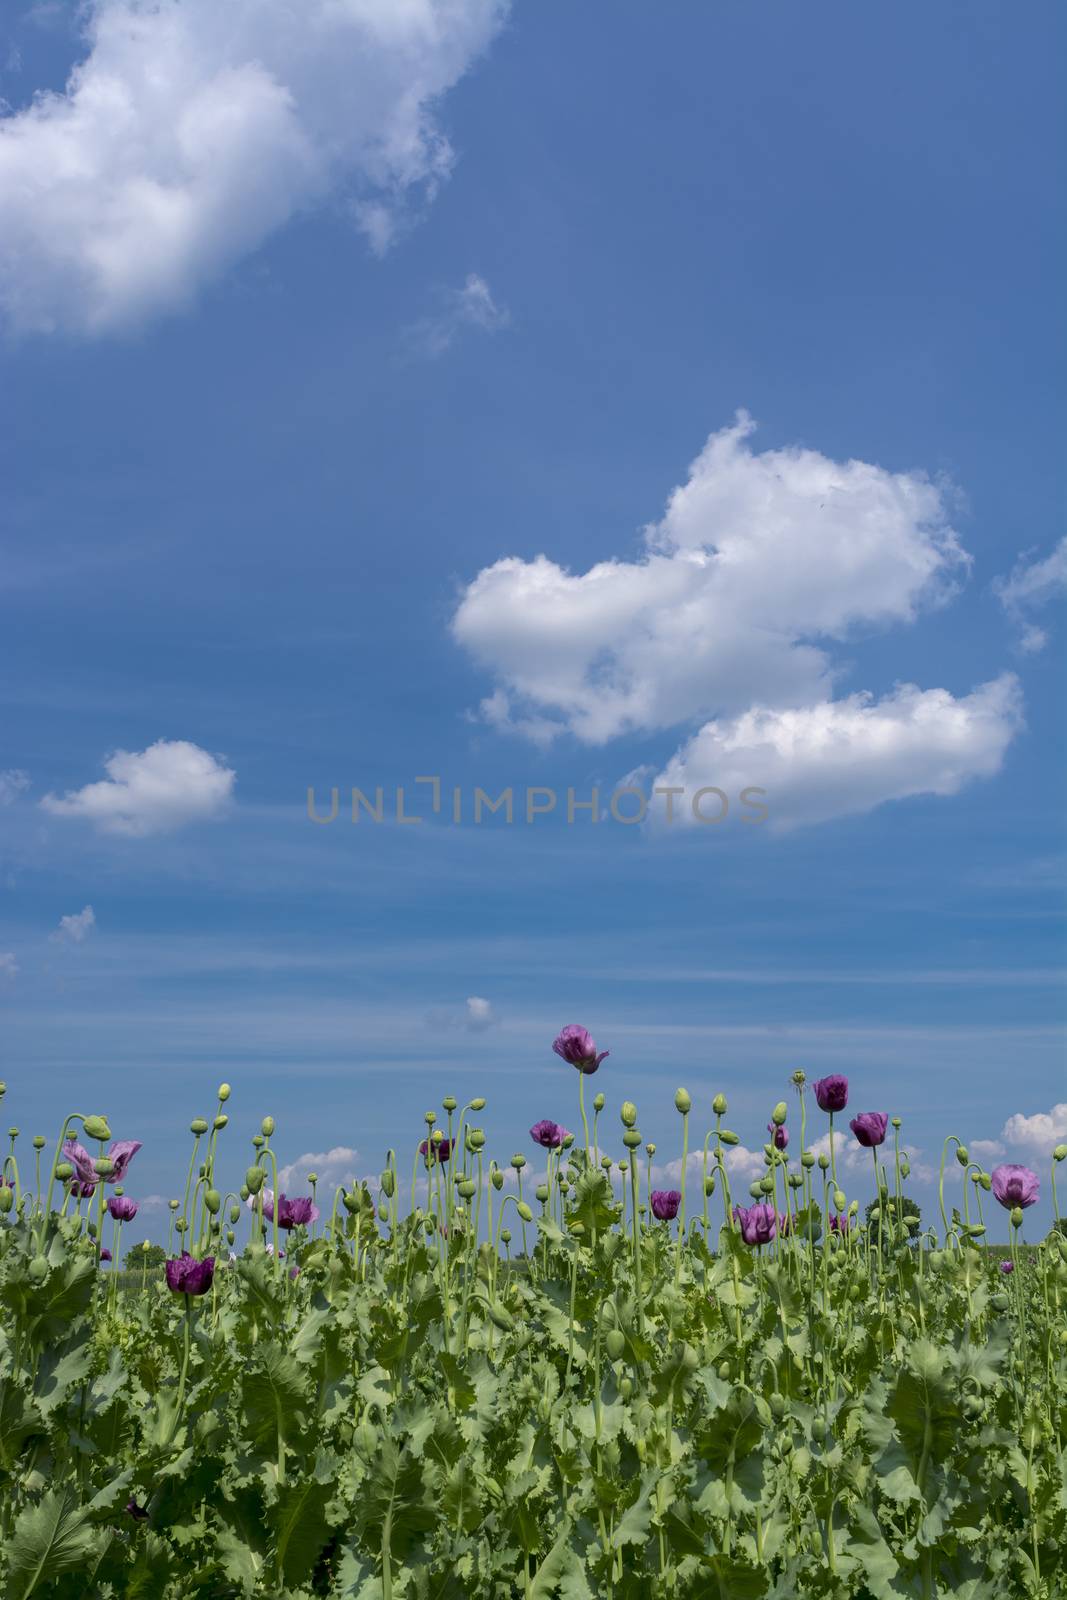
(48, 1539)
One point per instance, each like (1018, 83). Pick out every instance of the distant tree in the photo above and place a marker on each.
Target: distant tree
(145, 1255)
(892, 1214)
(1060, 1226)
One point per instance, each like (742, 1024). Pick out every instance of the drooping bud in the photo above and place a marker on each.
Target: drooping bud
(213, 1201)
(615, 1343)
(709, 1184)
(496, 1178)
(254, 1179)
(478, 1105)
(729, 1138)
(1059, 1154)
(524, 1210)
(961, 1155)
(388, 1182)
(840, 1201)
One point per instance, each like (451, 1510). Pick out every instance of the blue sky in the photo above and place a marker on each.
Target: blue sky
(314, 347)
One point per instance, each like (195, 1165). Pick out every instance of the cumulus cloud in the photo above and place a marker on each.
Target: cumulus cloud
(8, 966)
(1030, 585)
(476, 1016)
(761, 562)
(986, 1149)
(12, 784)
(1040, 1133)
(331, 1167)
(472, 306)
(842, 757)
(153, 791)
(77, 927)
(190, 131)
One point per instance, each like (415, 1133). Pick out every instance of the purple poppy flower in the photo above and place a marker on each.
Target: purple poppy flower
(82, 1191)
(268, 1203)
(138, 1513)
(665, 1203)
(548, 1134)
(869, 1128)
(297, 1213)
(831, 1094)
(1007, 1266)
(186, 1275)
(759, 1223)
(840, 1222)
(1015, 1186)
(122, 1208)
(576, 1045)
(105, 1254)
(779, 1135)
(785, 1224)
(120, 1151)
(442, 1149)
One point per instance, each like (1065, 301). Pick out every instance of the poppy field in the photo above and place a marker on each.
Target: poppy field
(533, 1375)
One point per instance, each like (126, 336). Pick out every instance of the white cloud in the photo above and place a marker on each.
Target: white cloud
(479, 1013)
(76, 927)
(193, 130)
(8, 966)
(986, 1149)
(1029, 586)
(153, 791)
(742, 1166)
(331, 1167)
(472, 306)
(476, 1016)
(841, 757)
(12, 783)
(1040, 1133)
(756, 556)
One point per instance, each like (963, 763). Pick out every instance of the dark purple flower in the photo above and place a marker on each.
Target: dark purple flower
(665, 1203)
(441, 1150)
(1015, 1186)
(122, 1208)
(831, 1094)
(186, 1275)
(1007, 1266)
(785, 1223)
(82, 1191)
(120, 1151)
(576, 1045)
(296, 1213)
(138, 1513)
(548, 1134)
(105, 1254)
(869, 1128)
(779, 1135)
(839, 1222)
(759, 1223)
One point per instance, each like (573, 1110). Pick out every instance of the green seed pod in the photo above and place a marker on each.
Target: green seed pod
(682, 1101)
(476, 1137)
(496, 1178)
(808, 1159)
(478, 1105)
(198, 1126)
(628, 1113)
(254, 1179)
(505, 1233)
(39, 1141)
(541, 1192)
(173, 1204)
(266, 1127)
(524, 1210)
(258, 1141)
(104, 1166)
(766, 1185)
(13, 1133)
(755, 1190)
(467, 1188)
(999, 1302)
(599, 1102)
(626, 1388)
(615, 1344)
(213, 1201)
(778, 1115)
(450, 1102)
(518, 1161)
(429, 1117)
(718, 1105)
(64, 1171)
(224, 1093)
(631, 1139)
(388, 1182)
(724, 1371)
(824, 1163)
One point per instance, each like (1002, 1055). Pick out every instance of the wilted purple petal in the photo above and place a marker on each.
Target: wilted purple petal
(576, 1045)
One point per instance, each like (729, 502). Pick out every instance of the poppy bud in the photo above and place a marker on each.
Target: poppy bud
(724, 1370)
(615, 1343)
(541, 1192)
(429, 1117)
(476, 1137)
(224, 1093)
(7, 1200)
(383, 1212)
(628, 1113)
(496, 1178)
(650, 1150)
(258, 1141)
(985, 1179)
(254, 1179)
(839, 1200)
(626, 1388)
(38, 1269)
(961, 1155)
(1016, 1216)
(467, 1188)
(905, 1167)
(524, 1210)
(755, 1190)
(388, 1182)
(220, 1121)
(599, 1102)
(243, 1191)
(478, 1105)
(778, 1115)
(777, 1405)
(1059, 1154)
(897, 1122)
(718, 1105)
(173, 1204)
(213, 1201)
(64, 1171)
(568, 1141)
(631, 1138)
(198, 1126)
(500, 1319)
(729, 1138)
(682, 1101)
(824, 1163)
(505, 1233)
(709, 1184)
(350, 1203)
(267, 1127)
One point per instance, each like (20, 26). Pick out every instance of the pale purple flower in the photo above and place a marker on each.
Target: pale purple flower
(548, 1134)
(759, 1223)
(1006, 1267)
(831, 1094)
(120, 1151)
(187, 1275)
(122, 1208)
(1015, 1186)
(576, 1045)
(870, 1128)
(665, 1203)
(840, 1222)
(268, 1203)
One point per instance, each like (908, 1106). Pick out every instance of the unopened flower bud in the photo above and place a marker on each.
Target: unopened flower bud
(541, 1192)
(477, 1138)
(1059, 1154)
(224, 1092)
(478, 1105)
(505, 1233)
(258, 1141)
(350, 1202)
(7, 1200)
(718, 1105)
(824, 1163)
(729, 1138)
(198, 1126)
(1016, 1216)
(388, 1182)
(173, 1204)
(778, 1115)
(599, 1102)
(961, 1155)
(628, 1113)
(97, 1128)
(267, 1127)
(524, 1210)
(496, 1178)
(650, 1150)
(64, 1171)
(709, 1184)
(682, 1101)
(213, 1201)
(568, 1141)
(839, 1200)
(254, 1179)
(383, 1212)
